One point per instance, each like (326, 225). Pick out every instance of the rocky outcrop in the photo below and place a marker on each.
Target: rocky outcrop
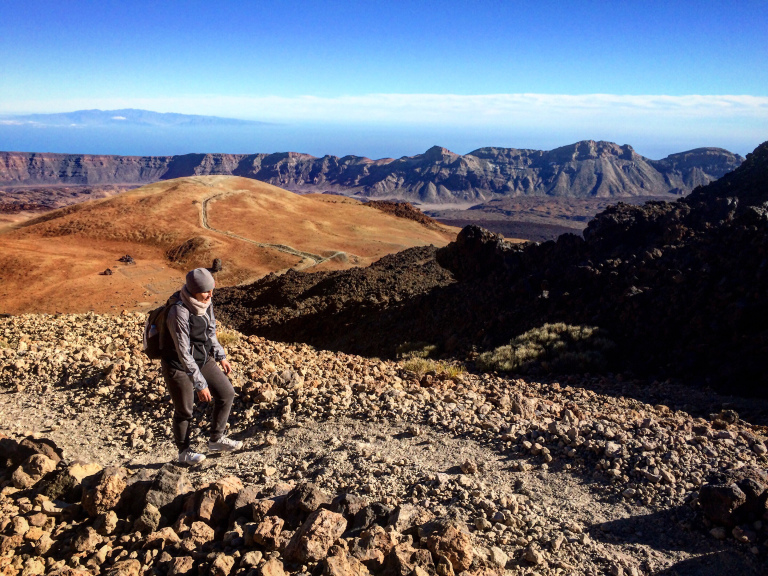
(584, 169)
(58, 538)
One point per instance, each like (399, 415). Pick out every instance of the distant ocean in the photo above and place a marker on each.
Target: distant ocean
(375, 141)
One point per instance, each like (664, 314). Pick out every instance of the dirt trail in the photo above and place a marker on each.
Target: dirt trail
(315, 259)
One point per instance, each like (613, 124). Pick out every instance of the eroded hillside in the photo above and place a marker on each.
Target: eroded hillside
(173, 226)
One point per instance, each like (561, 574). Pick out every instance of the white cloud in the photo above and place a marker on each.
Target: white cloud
(119, 118)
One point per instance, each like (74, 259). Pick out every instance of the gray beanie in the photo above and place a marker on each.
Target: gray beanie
(200, 280)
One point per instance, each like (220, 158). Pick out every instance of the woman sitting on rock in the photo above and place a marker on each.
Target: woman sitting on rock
(190, 367)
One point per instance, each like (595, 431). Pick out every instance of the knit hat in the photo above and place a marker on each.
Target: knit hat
(200, 280)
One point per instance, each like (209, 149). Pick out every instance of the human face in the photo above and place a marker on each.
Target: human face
(203, 297)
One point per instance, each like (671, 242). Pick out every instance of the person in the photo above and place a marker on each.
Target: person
(190, 366)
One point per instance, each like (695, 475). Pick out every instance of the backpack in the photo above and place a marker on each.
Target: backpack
(156, 330)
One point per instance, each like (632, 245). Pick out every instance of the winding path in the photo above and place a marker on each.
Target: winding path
(315, 259)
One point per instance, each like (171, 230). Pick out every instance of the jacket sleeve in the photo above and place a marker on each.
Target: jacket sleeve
(218, 350)
(178, 327)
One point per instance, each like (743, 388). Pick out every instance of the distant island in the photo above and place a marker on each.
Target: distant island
(124, 117)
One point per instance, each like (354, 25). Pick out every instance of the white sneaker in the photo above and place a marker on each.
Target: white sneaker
(189, 457)
(224, 444)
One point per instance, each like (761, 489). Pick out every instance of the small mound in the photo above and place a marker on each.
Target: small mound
(191, 249)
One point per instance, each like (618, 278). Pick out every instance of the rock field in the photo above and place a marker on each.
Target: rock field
(353, 465)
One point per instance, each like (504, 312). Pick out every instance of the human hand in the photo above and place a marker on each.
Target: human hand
(226, 366)
(204, 395)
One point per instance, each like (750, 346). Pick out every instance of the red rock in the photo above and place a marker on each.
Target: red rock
(268, 532)
(161, 538)
(181, 566)
(373, 546)
(262, 508)
(312, 540)
(404, 558)
(455, 544)
(222, 565)
(201, 533)
(33, 469)
(272, 567)
(342, 564)
(129, 567)
(86, 540)
(8, 543)
(105, 495)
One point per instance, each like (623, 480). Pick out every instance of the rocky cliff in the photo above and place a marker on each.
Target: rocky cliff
(584, 169)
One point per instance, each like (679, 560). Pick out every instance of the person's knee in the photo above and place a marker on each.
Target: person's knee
(227, 394)
(182, 415)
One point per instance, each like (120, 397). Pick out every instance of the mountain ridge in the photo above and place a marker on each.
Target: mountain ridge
(438, 176)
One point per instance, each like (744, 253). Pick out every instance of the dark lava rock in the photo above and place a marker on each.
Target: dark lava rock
(375, 513)
(403, 210)
(302, 501)
(340, 310)
(168, 490)
(720, 502)
(347, 505)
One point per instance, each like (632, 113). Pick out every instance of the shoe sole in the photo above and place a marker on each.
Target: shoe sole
(217, 450)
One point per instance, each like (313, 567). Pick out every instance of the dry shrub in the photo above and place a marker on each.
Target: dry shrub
(422, 366)
(559, 348)
(228, 337)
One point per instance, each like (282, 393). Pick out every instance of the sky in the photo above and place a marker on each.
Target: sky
(388, 79)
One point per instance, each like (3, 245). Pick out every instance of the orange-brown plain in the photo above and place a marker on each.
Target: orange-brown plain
(53, 263)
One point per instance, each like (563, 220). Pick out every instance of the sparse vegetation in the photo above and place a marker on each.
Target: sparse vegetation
(408, 350)
(228, 337)
(551, 348)
(421, 366)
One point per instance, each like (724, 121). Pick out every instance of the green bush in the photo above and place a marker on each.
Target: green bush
(559, 348)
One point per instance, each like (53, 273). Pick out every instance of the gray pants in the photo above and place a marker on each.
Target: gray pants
(183, 395)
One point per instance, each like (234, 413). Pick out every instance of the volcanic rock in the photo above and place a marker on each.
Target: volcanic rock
(313, 539)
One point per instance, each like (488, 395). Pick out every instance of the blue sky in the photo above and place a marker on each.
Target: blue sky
(662, 76)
